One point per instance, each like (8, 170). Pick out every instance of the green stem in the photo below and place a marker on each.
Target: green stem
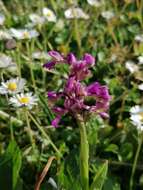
(77, 34)
(84, 154)
(140, 139)
(30, 131)
(11, 129)
(8, 116)
(18, 60)
(44, 134)
(30, 65)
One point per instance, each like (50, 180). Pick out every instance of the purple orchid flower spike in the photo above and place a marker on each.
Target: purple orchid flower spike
(75, 93)
(74, 99)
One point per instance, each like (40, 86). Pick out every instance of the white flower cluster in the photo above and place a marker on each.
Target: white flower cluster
(15, 87)
(134, 67)
(47, 16)
(28, 32)
(77, 13)
(137, 117)
(96, 3)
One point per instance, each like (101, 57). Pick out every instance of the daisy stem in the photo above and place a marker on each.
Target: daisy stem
(45, 134)
(76, 29)
(77, 34)
(30, 65)
(30, 131)
(84, 153)
(2, 78)
(10, 123)
(11, 129)
(9, 119)
(140, 139)
(18, 59)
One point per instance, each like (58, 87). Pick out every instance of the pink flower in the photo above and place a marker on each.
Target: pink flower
(75, 93)
(56, 55)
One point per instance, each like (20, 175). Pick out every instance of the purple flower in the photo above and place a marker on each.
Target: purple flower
(56, 56)
(104, 115)
(104, 93)
(59, 111)
(80, 70)
(99, 91)
(93, 89)
(73, 98)
(71, 59)
(56, 121)
(49, 65)
(54, 96)
(89, 59)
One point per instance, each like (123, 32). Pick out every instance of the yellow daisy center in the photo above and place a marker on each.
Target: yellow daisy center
(12, 86)
(26, 34)
(49, 14)
(24, 100)
(141, 114)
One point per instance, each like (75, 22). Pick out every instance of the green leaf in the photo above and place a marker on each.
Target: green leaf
(10, 164)
(100, 177)
(46, 109)
(126, 151)
(112, 184)
(112, 148)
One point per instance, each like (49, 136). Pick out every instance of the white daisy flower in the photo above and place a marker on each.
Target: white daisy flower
(49, 15)
(136, 109)
(131, 66)
(76, 13)
(24, 100)
(2, 19)
(140, 87)
(21, 34)
(139, 38)
(12, 86)
(107, 15)
(36, 19)
(5, 35)
(96, 3)
(40, 55)
(137, 117)
(140, 59)
(6, 62)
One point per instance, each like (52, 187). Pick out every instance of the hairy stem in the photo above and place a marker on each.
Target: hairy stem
(84, 153)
